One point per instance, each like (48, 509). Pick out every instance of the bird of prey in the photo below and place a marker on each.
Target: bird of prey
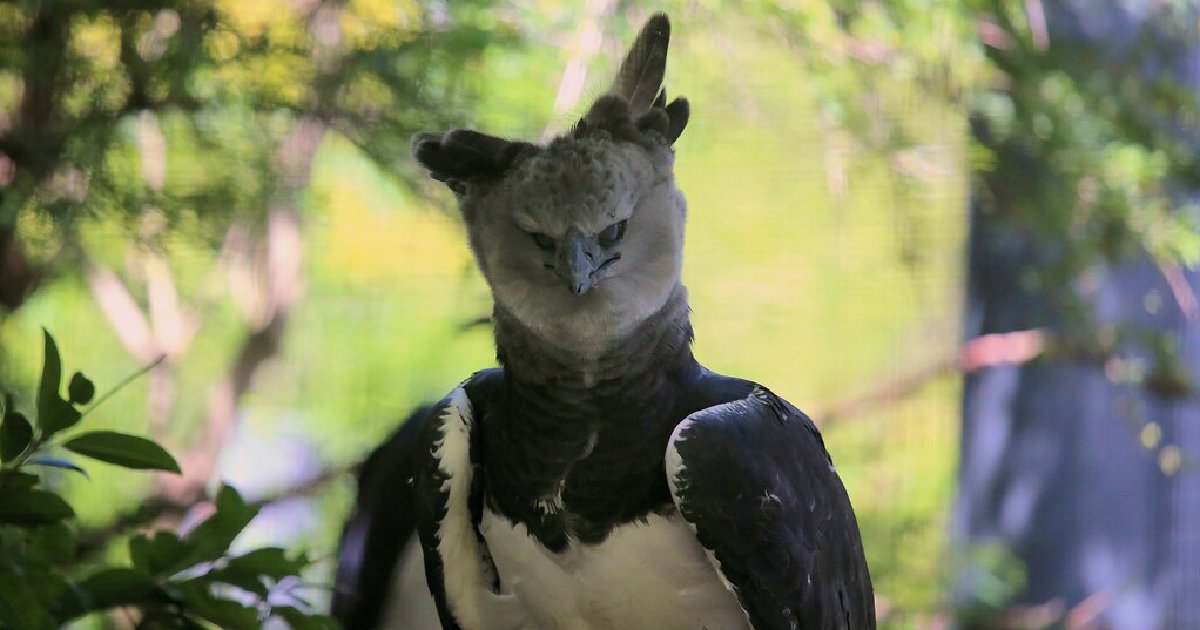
(600, 477)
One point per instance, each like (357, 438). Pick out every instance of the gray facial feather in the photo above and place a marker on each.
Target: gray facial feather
(585, 185)
(527, 208)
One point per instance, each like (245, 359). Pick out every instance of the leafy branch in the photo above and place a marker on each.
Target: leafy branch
(175, 581)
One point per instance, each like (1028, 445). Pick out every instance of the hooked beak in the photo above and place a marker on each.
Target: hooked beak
(577, 262)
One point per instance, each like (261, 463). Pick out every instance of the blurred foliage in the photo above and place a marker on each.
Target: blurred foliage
(176, 108)
(171, 581)
(1084, 145)
(989, 579)
(1083, 132)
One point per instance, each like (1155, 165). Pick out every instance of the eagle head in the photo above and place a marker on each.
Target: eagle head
(581, 237)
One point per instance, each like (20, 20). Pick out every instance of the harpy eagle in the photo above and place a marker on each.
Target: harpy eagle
(601, 477)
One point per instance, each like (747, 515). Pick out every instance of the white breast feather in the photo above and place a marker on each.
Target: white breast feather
(410, 605)
(644, 575)
(652, 574)
(468, 585)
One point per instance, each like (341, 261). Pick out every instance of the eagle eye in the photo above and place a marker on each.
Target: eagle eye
(543, 241)
(612, 234)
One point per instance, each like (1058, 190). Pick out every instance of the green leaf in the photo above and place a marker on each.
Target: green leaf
(57, 415)
(44, 581)
(16, 481)
(19, 606)
(168, 619)
(122, 449)
(54, 413)
(51, 378)
(270, 562)
(250, 571)
(299, 620)
(33, 507)
(80, 390)
(248, 581)
(157, 555)
(15, 435)
(211, 539)
(227, 614)
(55, 541)
(139, 553)
(118, 583)
(109, 588)
(56, 462)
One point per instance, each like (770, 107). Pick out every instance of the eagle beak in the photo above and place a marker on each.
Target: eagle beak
(577, 262)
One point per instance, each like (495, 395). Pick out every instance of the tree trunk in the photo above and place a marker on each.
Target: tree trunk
(1087, 478)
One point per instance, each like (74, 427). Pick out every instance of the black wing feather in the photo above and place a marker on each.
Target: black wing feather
(754, 479)
(382, 522)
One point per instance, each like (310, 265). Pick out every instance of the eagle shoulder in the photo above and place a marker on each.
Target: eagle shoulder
(753, 478)
(458, 566)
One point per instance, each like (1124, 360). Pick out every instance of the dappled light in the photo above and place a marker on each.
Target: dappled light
(960, 236)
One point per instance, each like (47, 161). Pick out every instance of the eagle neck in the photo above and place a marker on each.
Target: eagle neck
(659, 345)
(578, 444)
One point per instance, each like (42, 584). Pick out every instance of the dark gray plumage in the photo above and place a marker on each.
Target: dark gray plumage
(640, 76)
(600, 478)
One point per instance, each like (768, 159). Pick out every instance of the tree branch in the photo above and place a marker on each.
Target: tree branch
(1012, 348)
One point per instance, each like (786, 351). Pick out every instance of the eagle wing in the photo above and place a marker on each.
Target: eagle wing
(449, 503)
(754, 480)
(379, 527)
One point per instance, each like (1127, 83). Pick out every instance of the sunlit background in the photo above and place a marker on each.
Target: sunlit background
(253, 215)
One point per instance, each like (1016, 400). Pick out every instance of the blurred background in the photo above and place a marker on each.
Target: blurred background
(960, 234)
